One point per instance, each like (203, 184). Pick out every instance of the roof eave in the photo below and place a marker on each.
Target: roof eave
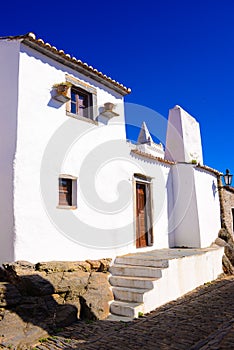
(30, 40)
(74, 64)
(211, 170)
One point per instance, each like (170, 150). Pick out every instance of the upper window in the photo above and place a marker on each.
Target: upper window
(81, 103)
(83, 100)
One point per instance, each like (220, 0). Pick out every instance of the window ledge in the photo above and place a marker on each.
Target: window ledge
(71, 207)
(84, 119)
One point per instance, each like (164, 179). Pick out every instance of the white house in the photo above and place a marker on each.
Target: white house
(73, 188)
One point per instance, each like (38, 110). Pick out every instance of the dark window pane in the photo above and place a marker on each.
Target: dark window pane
(73, 108)
(65, 192)
(73, 96)
(80, 102)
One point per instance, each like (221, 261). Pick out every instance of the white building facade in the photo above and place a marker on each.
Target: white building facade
(73, 188)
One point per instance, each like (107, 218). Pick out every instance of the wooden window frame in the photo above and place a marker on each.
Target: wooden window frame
(85, 90)
(72, 194)
(85, 112)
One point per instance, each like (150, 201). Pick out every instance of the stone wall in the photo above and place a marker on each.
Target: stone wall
(37, 299)
(228, 204)
(225, 237)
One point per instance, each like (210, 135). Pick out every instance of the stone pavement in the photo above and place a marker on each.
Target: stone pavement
(202, 319)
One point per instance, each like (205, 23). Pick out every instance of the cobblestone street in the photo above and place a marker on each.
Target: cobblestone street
(202, 319)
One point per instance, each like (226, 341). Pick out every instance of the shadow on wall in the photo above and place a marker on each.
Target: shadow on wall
(170, 210)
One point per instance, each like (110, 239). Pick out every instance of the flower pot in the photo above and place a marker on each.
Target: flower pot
(62, 89)
(108, 106)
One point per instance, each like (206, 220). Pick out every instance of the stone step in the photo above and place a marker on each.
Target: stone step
(129, 294)
(148, 261)
(133, 282)
(135, 271)
(118, 318)
(130, 310)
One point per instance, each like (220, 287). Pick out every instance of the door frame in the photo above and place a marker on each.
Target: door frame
(147, 181)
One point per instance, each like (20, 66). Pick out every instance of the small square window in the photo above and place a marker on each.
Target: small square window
(67, 192)
(81, 103)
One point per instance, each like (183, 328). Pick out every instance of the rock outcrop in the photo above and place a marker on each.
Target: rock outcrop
(225, 239)
(37, 299)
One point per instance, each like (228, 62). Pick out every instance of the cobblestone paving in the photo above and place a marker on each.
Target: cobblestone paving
(202, 319)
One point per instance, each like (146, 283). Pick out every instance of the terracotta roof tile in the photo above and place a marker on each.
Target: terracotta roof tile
(39, 44)
(165, 161)
(147, 155)
(211, 170)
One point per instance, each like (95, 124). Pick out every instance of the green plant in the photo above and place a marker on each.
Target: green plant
(207, 283)
(88, 321)
(54, 337)
(42, 340)
(140, 314)
(194, 161)
(67, 340)
(66, 83)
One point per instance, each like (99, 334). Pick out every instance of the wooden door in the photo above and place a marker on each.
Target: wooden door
(140, 216)
(144, 231)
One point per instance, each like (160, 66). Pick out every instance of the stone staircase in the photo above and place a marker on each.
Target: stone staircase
(143, 281)
(132, 278)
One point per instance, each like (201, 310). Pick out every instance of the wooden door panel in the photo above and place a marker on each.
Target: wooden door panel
(144, 231)
(140, 216)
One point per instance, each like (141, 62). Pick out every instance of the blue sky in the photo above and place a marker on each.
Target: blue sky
(168, 52)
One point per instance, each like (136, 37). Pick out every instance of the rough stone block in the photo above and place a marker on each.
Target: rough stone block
(63, 266)
(95, 302)
(9, 295)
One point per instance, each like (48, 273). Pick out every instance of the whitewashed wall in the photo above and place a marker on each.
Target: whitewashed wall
(43, 142)
(183, 140)
(184, 211)
(208, 206)
(9, 69)
(44, 150)
(196, 208)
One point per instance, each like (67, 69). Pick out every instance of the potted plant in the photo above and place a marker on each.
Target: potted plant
(108, 106)
(61, 91)
(62, 88)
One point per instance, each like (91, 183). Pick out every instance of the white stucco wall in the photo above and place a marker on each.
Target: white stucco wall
(51, 143)
(184, 210)
(183, 275)
(9, 54)
(43, 142)
(183, 140)
(196, 209)
(208, 206)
